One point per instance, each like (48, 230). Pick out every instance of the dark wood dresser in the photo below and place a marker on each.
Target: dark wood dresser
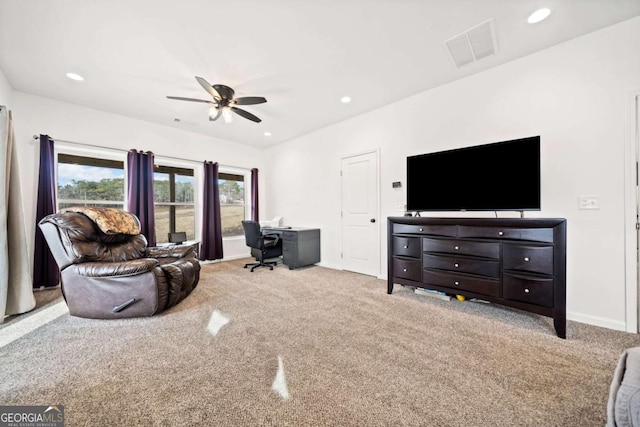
(516, 262)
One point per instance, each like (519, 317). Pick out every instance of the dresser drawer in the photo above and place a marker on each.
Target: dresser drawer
(407, 246)
(463, 247)
(407, 269)
(437, 230)
(534, 290)
(462, 265)
(462, 282)
(536, 259)
(533, 234)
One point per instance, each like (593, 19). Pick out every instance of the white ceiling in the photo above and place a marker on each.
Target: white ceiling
(302, 55)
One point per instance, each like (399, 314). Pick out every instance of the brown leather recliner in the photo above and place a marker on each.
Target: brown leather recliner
(106, 269)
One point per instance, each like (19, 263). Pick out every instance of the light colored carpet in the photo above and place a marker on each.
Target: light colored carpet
(348, 353)
(43, 298)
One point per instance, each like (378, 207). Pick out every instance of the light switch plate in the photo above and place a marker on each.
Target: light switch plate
(588, 203)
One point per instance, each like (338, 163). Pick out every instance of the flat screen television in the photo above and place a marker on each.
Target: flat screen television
(503, 176)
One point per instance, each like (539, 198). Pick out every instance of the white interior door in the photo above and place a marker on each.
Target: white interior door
(632, 216)
(636, 141)
(360, 211)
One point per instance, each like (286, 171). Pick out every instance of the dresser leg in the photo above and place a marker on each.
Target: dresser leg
(389, 286)
(560, 323)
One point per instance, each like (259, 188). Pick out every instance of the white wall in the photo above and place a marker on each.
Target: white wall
(574, 95)
(35, 115)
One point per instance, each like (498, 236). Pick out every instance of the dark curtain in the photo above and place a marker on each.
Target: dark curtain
(45, 269)
(254, 195)
(140, 192)
(211, 243)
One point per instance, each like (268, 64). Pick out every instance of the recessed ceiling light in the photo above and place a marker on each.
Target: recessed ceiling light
(539, 15)
(74, 76)
(267, 134)
(345, 99)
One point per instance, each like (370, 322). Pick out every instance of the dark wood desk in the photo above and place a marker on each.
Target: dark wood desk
(300, 246)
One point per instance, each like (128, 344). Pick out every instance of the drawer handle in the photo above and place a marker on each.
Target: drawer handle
(456, 248)
(526, 258)
(404, 269)
(456, 265)
(500, 233)
(421, 229)
(526, 290)
(456, 283)
(405, 246)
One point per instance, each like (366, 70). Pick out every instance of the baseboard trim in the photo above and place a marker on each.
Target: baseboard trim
(329, 265)
(227, 258)
(231, 258)
(597, 321)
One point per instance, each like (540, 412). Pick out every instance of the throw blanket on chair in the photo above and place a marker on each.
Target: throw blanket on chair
(109, 220)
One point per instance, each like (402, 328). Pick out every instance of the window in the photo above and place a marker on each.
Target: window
(232, 203)
(173, 194)
(95, 177)
(89, 181)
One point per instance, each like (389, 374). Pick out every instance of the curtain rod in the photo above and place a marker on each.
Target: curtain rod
(123, 150)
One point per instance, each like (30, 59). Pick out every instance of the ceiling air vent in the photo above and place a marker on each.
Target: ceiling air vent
(474, 44)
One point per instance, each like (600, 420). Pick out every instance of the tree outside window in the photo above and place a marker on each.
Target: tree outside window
(90, 181)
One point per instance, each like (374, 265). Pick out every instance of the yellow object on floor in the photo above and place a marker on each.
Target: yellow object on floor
(461, 297)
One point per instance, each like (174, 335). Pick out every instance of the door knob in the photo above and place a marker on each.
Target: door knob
(373, 220)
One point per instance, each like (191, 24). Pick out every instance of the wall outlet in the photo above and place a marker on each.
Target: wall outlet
(588, 203)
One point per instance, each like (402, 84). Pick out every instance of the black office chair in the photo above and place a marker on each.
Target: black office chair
(264, 247)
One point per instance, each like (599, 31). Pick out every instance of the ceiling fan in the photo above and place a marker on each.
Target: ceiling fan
(224, 102)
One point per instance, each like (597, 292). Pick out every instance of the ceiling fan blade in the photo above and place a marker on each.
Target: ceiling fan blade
(245, 114)
(205, 84)
(217, 116)
(250, 100)
(180, 98)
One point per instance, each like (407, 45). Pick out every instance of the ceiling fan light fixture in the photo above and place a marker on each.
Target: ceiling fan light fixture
(539, 15)
(227, 115)
(224, 102)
